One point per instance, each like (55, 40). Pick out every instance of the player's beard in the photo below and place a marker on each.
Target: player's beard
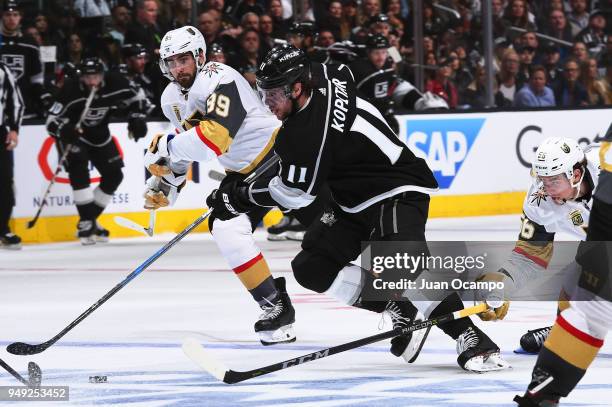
(185, 80)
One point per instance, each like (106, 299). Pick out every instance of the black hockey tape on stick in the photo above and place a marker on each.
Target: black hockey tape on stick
(34, 374)
(21, 348)
(67, 148)
(196, 352)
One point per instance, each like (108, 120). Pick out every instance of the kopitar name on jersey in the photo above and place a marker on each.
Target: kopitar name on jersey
(445, 144)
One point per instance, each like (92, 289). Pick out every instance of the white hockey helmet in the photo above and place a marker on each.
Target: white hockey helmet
(430, 101)
(558, 156)
(178, 41)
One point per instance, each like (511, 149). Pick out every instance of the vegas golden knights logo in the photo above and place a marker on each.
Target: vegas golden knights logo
(565, 148)
(576, 217)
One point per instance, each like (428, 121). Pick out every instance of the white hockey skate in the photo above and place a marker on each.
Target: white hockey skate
(478, 353)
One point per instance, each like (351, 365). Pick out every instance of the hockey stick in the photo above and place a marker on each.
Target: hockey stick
(20, 348)
(200, 356)
(32, 222)
(130, 224)
(216, 175)
(34, 374)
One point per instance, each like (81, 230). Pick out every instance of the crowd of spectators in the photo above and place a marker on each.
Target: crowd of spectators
(547, 53)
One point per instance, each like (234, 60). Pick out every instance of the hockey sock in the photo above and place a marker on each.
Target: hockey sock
(101, 200)
(255, 276)
(87, 211)
(456, 327)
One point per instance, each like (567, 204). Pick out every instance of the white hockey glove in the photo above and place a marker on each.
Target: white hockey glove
(494, 298)
(157, 157)
(160, 193)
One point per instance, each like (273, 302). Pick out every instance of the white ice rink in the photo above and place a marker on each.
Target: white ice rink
(134, 339)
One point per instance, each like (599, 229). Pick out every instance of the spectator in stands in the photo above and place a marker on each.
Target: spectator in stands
(393, 9)
(589, 78)
(460, 74)
(266, 28)
(209, 25)
(146, 29)
(530, 40)
(281, 25)
(569, 91)
(349, 18)
(248, 57)
(121, 20)
(228, 22)
(442, 85)
(474, 96)
(507, 76)
(594, 35)
(250, 20)
(578, 16)
(579, 51)
(433, 24)
(333, 19)
(248, 6)
(181, 13)
(75, 49)
(517, 15)
(558, 26)
(526, 55)
(66, 23)
(552, 58)
(33, 34)
(535, 93)
(607, 82)
(368, 9)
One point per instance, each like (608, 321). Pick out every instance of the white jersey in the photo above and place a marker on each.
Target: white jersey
(222, 116)
(572, 217)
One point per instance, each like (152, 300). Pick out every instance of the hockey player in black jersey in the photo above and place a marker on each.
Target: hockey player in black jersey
(22, 56)
(92, 141)
(376, 78)
(380, 191)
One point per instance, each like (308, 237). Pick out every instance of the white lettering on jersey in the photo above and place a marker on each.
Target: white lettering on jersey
(340, 105)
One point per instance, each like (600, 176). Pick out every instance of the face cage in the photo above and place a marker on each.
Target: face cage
(275, 96)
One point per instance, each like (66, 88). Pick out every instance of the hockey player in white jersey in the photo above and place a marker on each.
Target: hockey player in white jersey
(218, 115)
(558, 201)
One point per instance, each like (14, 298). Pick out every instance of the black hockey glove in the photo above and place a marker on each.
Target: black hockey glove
(230, 201)
(137, 127)
(69, 133)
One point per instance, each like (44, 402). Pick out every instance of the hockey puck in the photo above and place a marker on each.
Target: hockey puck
(97, 379)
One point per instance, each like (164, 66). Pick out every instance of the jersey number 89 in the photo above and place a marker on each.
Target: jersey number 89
(219, 104)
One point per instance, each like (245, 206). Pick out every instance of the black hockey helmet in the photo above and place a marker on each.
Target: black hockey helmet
(304, 28)
(133, 50)
(378, 18)
(282, 66)
(91, 65)
(215, 48)
(10, 5)
(377, 41)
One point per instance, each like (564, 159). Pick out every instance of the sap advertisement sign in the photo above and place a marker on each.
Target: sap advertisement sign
(444, 144)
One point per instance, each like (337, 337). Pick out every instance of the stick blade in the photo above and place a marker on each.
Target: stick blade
(20, 348)
(35, 375)
(30, 224)
(197, 353)
(128, 224)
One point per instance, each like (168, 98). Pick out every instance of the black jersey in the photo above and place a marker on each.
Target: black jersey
(375, 85)
(22, 56)
(115, 93)
(340, 139)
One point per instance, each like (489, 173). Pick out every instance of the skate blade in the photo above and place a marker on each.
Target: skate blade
(277, 238)
(521, 351)
(297, 236)
(284, 334)
(415, 345)
(10, 246)
(87, 241)
(101, 239)
(487, 363)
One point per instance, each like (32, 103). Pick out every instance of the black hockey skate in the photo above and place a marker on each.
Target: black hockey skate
(275, 324)
(525, 401)
(408, 346)
(533, 341)
(289, 228)
(101, 234)
(10, 241)
(478, 353)
(85, 232)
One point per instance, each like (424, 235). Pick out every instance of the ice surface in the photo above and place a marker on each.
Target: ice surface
(135, 338)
